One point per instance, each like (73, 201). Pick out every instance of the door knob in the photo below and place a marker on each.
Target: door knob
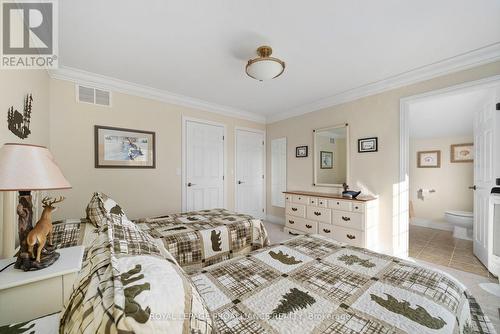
(240, 182)
(473, 187)
(190, 184)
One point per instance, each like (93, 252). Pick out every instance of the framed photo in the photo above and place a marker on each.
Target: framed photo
(301, 152)
(326, 159)
(123, 148)
(462, 152)
(429, 159)
(368, 145)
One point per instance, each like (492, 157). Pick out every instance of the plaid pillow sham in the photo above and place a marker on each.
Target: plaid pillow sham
(101, 207)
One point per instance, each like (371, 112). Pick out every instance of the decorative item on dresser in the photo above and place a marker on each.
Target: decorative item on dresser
(25, 168)
(353, 221)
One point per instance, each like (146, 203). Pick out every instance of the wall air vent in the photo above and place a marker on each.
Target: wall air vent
(93, 96)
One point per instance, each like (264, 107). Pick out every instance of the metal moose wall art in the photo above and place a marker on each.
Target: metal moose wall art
(19, 124)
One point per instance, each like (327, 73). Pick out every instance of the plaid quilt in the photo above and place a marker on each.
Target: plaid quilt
(199, 239)
(312, 284)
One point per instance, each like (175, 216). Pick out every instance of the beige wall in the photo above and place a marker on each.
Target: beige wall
(14, 85)
(141, 192)
(451, 181)
(377, 115)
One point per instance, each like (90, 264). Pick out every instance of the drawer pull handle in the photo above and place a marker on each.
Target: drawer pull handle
(346, 219)
(326, 231)
(292, 233)
(308, 226)
(300, 198)
(338, 203)
(356, 207)
(294, 209)
(291, 221)
(350, 236)
(317, 213)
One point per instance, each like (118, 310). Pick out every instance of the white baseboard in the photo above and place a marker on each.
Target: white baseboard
(438, 225)
(276, 219)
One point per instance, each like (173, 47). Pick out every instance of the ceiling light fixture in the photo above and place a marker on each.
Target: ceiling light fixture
(265, 67)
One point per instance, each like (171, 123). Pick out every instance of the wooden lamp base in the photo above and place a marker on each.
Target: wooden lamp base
(25, 225)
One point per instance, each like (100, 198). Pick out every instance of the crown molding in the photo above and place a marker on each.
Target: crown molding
(116, 85)
(461, 62)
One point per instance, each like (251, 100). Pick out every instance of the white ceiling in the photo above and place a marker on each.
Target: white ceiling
(445, 116)
(199, 49)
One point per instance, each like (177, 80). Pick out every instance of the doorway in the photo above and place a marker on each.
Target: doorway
(482, 167)
(203, 155)
(249, 177)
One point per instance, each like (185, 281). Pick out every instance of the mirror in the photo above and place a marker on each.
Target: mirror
(331, 156)
(278, 172)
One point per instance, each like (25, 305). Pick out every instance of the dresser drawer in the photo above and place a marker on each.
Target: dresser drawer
(325, 229)
(339, 204)
(348, 219)
(322, 202)
(319, 214)
(300, 199)
(358, 207)
(348, 235)
(297, 210)
(302, 225)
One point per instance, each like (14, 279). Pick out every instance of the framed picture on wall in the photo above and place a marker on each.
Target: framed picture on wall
(462, 152)
(123, 148)
(429, 159)
(326, 160)
(301, 152)
(368, 145)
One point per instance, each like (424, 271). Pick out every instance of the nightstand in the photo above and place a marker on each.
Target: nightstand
(28, 295)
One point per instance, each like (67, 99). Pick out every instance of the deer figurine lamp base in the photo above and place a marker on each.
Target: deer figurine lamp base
(37, 253)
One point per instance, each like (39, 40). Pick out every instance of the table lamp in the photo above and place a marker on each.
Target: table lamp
(27, 168)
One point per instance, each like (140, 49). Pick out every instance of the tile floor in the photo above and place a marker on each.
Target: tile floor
(439, 247)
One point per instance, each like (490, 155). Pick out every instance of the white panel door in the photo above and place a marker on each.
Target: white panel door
(204, 181)
(484, 180)
(250, 173)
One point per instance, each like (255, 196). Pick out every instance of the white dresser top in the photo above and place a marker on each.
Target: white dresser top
(70, 261)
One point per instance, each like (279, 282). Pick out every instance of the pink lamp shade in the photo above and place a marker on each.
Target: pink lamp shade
(29, 167)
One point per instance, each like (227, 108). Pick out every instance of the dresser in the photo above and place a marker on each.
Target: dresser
(353, 221)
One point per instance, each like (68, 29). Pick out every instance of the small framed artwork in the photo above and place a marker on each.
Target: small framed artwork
(326, 159)
(123, 148)
(368, 145)
(429, 159)
(301, 152)
(462, 152)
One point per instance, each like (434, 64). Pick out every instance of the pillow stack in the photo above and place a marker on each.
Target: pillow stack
(129, 283)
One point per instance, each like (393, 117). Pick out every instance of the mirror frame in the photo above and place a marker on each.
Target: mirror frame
(316, 156)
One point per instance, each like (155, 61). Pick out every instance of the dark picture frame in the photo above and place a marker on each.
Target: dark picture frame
(301, 152)
(141, 147)
(326, 160)
(369, 144)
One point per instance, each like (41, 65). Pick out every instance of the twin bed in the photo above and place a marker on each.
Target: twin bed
(233, 281)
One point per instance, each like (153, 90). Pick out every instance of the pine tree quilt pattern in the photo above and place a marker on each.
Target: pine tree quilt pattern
(312, 284)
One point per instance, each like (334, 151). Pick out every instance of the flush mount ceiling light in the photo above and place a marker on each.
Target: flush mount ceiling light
(265, 67)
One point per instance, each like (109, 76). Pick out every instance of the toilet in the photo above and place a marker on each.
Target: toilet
(462, 222)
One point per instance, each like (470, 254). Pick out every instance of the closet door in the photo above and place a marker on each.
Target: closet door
(204, 166)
